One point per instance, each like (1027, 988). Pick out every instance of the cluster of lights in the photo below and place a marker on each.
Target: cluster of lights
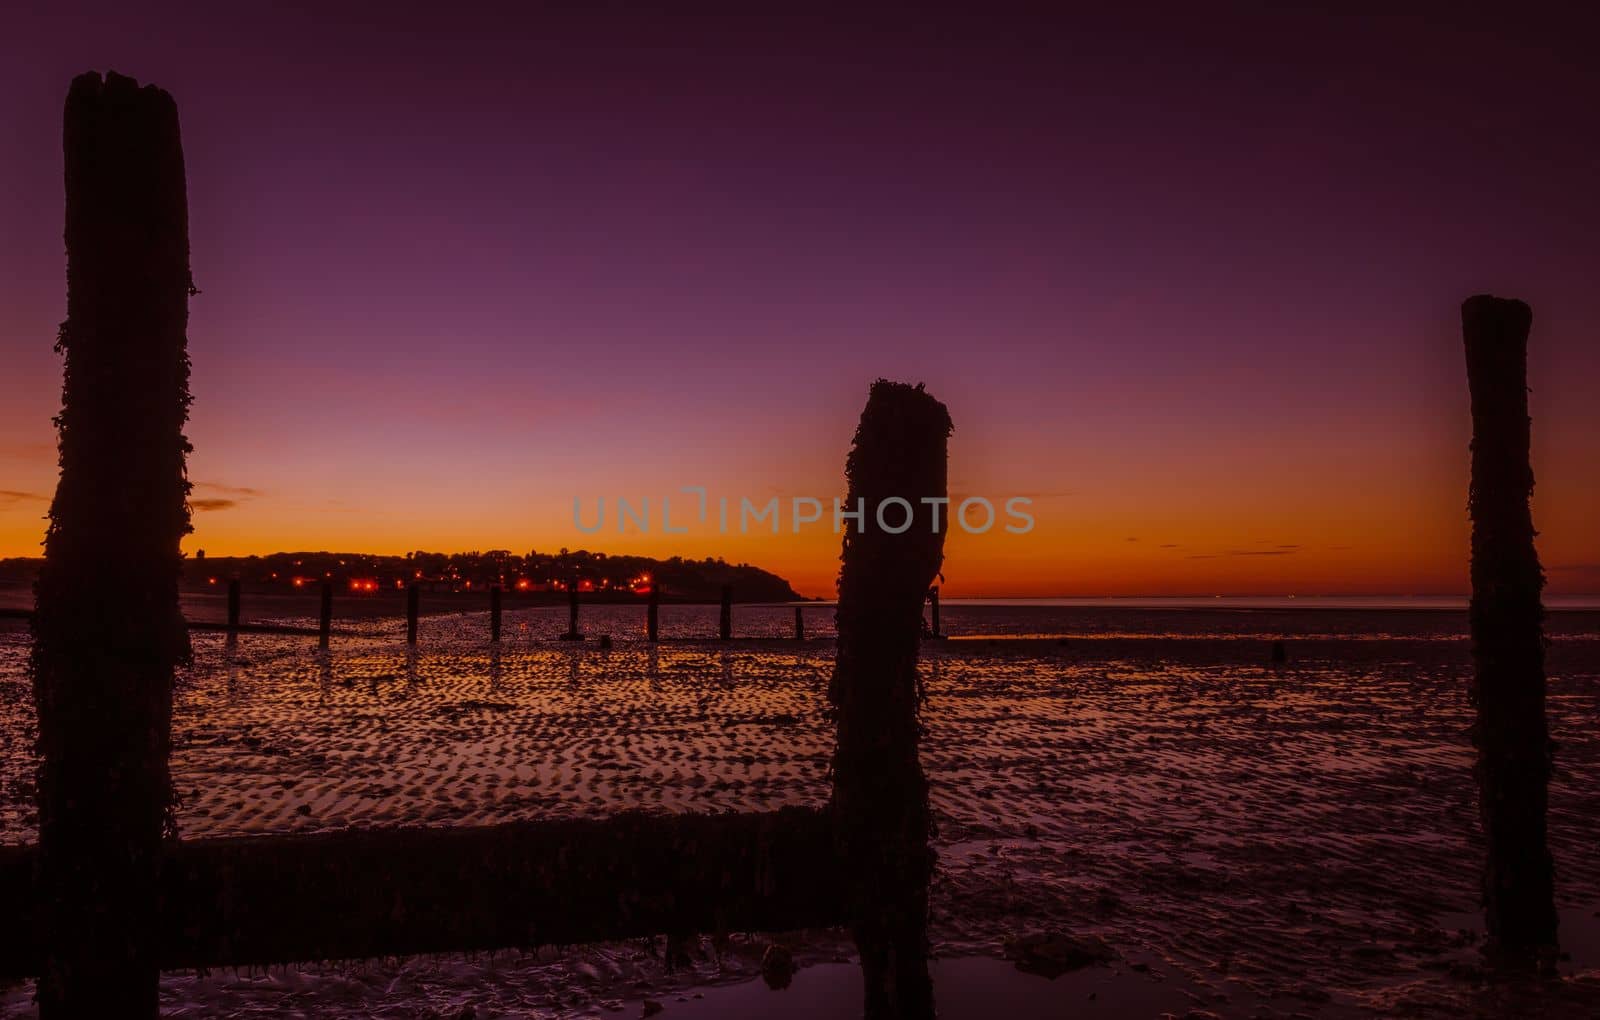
(363, 585)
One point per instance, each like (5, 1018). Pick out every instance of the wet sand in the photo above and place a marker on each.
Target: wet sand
(1250, 839)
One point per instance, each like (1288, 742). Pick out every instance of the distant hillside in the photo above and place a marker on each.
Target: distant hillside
(596, 574)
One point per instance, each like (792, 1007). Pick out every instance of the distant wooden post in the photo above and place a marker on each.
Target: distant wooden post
(233, 609)
(933, 613)
(325, 617)
(1512, 735)
(107, 629)
(880, 794)
(413, 606)
(494, 613)
(725, 618)
(799, 624)
(573, 633)
(652, 613)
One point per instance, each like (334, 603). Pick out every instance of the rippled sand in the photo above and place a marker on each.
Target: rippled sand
(1264, 840)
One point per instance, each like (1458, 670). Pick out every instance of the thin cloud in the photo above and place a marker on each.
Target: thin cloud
(10, 497)
(239, 491)
(206, 505)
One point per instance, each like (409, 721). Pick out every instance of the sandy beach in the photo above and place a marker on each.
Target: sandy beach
(1249, 839)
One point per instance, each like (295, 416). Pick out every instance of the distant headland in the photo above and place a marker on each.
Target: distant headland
(599, 576)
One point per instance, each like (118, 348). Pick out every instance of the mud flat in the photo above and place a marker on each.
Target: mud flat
(1247, 838)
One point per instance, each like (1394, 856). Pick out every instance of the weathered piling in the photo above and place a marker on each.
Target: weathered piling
(233, 610)
(934, 627)
(880, 795)
(573, 633)
(725, 617)
(413, 608)
(325, 615)
(1508, 689)
(799, 624)
(107, 628)
(652, 613)
(494, 613)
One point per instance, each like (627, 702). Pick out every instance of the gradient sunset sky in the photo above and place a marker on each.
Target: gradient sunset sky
(1191, 283)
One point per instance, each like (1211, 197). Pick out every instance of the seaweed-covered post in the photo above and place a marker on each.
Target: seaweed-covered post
(108, 632)
(1508, 688)
(725, 615)
(494, 614)
(572, 633)
(325, 615)
(413, 608)
(880, 796)
(652, 613)
(233, 609)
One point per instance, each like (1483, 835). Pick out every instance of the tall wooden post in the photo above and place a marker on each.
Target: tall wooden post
(725, 617)
(325, 615)
(107, 629)
(1511, 734)
(233, 609)
(799, 624)
(573, 633)
(413, 606)
(494, 613)
(652, 613)
(880, 795)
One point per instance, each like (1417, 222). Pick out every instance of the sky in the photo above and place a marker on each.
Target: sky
(1190, 284)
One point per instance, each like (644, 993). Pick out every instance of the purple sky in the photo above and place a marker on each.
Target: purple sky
(1191, 281)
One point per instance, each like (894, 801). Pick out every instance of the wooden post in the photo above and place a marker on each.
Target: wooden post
(880, 795)
(325, 615)
(933, 614)
(494, 613)
(1511, 734)
(799, 624)
(652, 613)
(107, 629)
(725, 617)
(572, 634)
(233, 610)
(413, 605)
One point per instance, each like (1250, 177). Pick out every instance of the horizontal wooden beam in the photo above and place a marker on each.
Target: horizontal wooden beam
(366, 893)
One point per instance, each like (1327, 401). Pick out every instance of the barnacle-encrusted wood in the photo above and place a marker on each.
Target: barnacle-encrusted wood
(107, 629)
(1508, 688)
(880, 796)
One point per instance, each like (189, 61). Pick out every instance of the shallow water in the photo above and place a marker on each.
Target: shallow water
(1270, 839)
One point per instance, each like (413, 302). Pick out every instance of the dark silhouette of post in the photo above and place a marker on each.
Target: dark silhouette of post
(572, 634)
(233, 609)
(325, 615)
(413, 605)
(880, 795)
(1511, 733)
(107, 629)
(494, 613)
(933, 613)
(652, 613)
(725, 617)
(799, 624)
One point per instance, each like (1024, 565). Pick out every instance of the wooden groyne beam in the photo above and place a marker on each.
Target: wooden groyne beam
(366, 893)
